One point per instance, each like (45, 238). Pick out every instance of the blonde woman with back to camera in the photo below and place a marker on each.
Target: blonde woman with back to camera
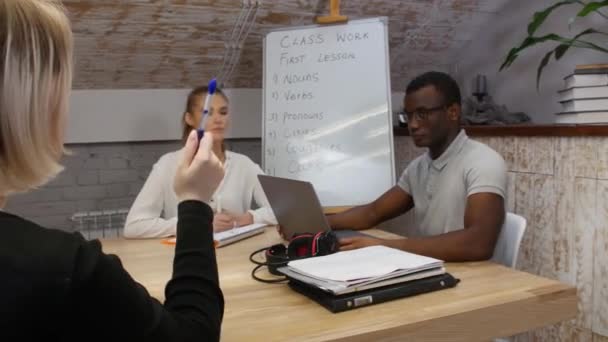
(55, 286)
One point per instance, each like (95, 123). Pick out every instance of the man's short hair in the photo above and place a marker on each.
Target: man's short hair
(443, 82)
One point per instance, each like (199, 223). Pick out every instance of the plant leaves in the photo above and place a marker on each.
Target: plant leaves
(529, 41)
(579, 43)
(539, 17)
(563, 48)
(511, 56)
(592, 7)
(571, 42)
(541, 66)
(560, 51)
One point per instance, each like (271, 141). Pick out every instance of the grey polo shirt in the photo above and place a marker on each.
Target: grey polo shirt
(440, 187)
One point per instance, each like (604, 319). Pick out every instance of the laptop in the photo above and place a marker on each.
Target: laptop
(354, 300)
(297, 208)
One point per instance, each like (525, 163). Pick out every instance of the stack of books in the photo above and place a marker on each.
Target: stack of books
(371, 275)
(585, 97)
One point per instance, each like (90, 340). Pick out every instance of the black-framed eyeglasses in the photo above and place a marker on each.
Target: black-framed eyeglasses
(421, 114)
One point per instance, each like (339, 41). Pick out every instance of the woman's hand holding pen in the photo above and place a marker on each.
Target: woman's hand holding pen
(224, 220)
(199, 172)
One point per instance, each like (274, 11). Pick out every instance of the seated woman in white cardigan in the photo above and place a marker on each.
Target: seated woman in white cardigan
(154, 212)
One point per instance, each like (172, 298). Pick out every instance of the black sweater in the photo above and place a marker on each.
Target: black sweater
(55, 286)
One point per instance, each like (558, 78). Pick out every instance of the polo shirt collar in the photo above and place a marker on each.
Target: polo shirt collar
(450, 152)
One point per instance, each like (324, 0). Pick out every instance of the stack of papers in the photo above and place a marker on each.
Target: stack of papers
(361, 269)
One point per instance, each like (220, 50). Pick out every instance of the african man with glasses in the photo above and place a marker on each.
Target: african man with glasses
(457, 189)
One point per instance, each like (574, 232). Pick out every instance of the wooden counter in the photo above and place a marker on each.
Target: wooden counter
(529, 130)
(491, 301)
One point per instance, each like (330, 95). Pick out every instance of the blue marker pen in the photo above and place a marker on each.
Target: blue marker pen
(211, 90)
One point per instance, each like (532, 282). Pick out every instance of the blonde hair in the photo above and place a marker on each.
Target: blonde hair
(35, 82)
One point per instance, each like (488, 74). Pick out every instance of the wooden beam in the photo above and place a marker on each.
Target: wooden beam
(555, 130)
(334, 15)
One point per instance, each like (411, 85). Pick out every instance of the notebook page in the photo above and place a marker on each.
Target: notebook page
(363, 263)
(227, 234)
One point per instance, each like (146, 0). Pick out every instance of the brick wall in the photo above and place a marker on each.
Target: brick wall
(101, 177)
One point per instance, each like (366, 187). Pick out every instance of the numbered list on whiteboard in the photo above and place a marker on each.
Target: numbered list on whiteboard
(326, 114)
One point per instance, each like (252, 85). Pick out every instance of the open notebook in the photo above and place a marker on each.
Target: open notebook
(232, 235)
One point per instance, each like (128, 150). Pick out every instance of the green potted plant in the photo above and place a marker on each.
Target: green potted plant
(563, 43)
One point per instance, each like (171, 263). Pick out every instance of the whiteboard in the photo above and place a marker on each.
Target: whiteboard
(120, 115)
(326, 109)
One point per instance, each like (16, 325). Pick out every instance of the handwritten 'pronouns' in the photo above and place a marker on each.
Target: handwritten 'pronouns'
(291, 116)
(287, 116)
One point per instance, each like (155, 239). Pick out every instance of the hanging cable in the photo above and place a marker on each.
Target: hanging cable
(241, 42)
(232, 43)
(238, 43)
(227, 46)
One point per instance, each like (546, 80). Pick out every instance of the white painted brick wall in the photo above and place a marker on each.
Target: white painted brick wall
(117, 176)
(101, 177)
(88, 178)
(84, 192)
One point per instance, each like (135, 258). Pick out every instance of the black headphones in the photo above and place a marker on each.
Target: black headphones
(300, 246)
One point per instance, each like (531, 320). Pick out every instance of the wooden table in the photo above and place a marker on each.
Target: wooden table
(491, 301)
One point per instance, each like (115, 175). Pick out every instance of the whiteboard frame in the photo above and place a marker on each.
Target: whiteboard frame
(383, 20)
